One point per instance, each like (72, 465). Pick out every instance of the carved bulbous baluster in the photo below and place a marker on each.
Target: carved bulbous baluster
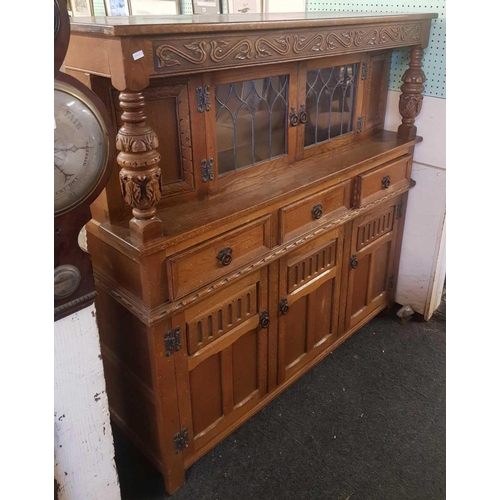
(410, 101)
(140, 176)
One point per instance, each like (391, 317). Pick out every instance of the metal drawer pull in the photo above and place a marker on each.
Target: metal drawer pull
(225, 256)
(317, 211)
(386, 181)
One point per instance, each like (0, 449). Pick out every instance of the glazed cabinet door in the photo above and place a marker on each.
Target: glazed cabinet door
(249, 129)
(371, 261)
(309, 287)
(221, 368)
(330, 103)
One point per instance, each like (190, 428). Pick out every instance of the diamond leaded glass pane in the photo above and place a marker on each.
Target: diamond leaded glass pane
(250, 119)
(330, 102)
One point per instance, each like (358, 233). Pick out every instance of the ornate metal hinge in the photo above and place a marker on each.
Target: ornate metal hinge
(399, 210)
(203, 98)
(364, 70)
(207, 170)
(181, 441)
(172, 341)
(360, 124)
(391, 281)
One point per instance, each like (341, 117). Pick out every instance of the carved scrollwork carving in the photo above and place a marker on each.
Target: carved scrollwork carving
(175, 55)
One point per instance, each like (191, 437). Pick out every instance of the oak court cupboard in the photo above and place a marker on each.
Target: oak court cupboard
(255, 215)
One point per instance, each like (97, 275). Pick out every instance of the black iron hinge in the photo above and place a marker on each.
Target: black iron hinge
(360, 124)
(364, 70)
(207, 170)
(181, 441)
(203, 98)
(399, 210)
(172, 341)
(391, 281)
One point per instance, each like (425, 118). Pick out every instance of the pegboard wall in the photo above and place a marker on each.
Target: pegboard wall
(434, 63)
(186, 6)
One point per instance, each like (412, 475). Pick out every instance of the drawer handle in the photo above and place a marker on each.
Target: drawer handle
(294, 118)
(284, 306)
(386, 181)
(264, 319)
(317, 211)
(302, 114)
(353, 262)
(225, 256)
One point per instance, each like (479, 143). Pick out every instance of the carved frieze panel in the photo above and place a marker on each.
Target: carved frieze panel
(218, 51)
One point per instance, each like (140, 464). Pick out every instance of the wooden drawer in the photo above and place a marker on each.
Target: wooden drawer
(310, 212)
(213, 259)
(381, 181)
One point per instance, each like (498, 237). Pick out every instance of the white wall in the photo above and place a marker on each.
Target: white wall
(422, 267)
(84, 465)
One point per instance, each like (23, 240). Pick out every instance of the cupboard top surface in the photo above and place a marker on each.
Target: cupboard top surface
(167, 25)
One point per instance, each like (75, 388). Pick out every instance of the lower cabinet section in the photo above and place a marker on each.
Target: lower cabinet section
(229, 352)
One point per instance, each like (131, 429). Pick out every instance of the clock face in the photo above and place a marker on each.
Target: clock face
(80, 147)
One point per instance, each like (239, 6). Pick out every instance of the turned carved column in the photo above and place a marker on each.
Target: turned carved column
(140, 176)
(410, 101)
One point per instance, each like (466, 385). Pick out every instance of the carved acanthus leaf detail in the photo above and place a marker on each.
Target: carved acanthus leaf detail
(141, 191)
(410, 105)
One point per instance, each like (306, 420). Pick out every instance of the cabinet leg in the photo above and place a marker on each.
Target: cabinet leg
(173, 479)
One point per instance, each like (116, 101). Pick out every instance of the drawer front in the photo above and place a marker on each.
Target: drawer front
(213, 259)
(310, 212)
(381, 181)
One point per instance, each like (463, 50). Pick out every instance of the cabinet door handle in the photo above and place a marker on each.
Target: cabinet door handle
(284, 308)
(294, 118)
(353, 261)
(317, 211)
(264, 319)
(225, 256)
(386, 181)
(302, 114)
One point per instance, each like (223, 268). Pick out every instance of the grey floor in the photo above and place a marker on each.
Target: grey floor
(367, 423)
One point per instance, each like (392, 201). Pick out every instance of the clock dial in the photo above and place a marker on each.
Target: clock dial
(80, 147)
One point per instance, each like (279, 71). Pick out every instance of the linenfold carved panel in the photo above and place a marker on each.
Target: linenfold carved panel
(179, 55)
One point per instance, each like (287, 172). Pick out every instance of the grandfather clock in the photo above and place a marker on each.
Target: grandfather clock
(83, 154)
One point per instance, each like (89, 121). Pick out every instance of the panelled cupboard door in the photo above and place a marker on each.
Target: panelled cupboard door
(221, 368)
(371, 261)
(309, 287)
(170, 113)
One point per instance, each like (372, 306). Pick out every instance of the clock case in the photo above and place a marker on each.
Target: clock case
(67, 226)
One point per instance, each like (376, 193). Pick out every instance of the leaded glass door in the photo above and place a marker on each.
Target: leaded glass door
(330, 93)
(250, 119)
